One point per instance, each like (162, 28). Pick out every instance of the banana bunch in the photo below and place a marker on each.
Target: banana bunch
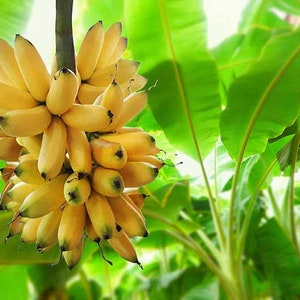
(71, 161)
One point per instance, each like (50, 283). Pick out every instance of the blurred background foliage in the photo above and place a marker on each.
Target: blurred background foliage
(230, 175)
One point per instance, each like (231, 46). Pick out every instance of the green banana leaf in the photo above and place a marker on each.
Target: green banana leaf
(168, 37)
(264, 100)
(14, 15)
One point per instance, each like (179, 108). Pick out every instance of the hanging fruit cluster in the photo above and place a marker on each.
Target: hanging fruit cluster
(70, 158)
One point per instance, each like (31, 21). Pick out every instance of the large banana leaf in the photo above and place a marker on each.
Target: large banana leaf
(264, 100)
(168, 37)
(14, 15)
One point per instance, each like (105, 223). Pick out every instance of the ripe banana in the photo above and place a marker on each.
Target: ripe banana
(32, 144)
(7, 172)
(9, 64)
(4, 78)
(62, 92)
(13, 206)
(71, 226)
(132, 203)
(133, 104)
(90, 230)
(123, 246)
(123, 71)
(9, 149)
(108, 154)
(14, 98)
(136, 173)
(110, 42)
(135, 142)
(45, 198)
(88, 117)
(48, 229)
(127, 216)
(79, 152)
(151, 159)
(73, 256)
(107, 182)
(77, 190)
(25, 122)
(30, 230)
(32, 67)
(138, 198)
(117, 52)
(53, 149)
(136, 83)
(101, 216)
(27, 170)
(112, 99)
(87, 93)
(15, 227)
(20, 191)
(89, 50)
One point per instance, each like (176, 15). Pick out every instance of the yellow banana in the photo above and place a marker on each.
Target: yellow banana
(107, 182)
(9, 64)
(13, 206)
(89, 51)
(136, 173)
(90, 230)
(53, 149)
(108, 154)
(15, 227)
(45, 198)
(123, 246)
(87, 93)
(127, 216)
(9, 149)
(88, 117)
(133, 104)
(132, 203)
(32, 67)
(117, 52)
(32, 144)
(20, 191)
(7, 172)
(73, 256)
(14, 98)
(25, 122)
(110, 42)
(5, 199)
(30, 230)
(27, 170)
(123, 71)
(48, 229)
(101, 216)
(136, 83)
(135, 142)
(62, 92)
(112, 99)
(77, 190)
(4, 78)
(71, 226)
(151, 159)
(138, 198)
(79, 152)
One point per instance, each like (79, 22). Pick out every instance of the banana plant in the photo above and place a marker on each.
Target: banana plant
(222, 218)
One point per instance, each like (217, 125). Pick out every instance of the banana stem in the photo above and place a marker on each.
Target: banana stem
(65, 55)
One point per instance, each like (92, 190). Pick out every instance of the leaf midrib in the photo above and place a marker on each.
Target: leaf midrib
(178, 76)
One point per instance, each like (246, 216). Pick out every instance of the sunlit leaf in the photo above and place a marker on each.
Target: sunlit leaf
(14, 15)
(168, 37)
(264, 100)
